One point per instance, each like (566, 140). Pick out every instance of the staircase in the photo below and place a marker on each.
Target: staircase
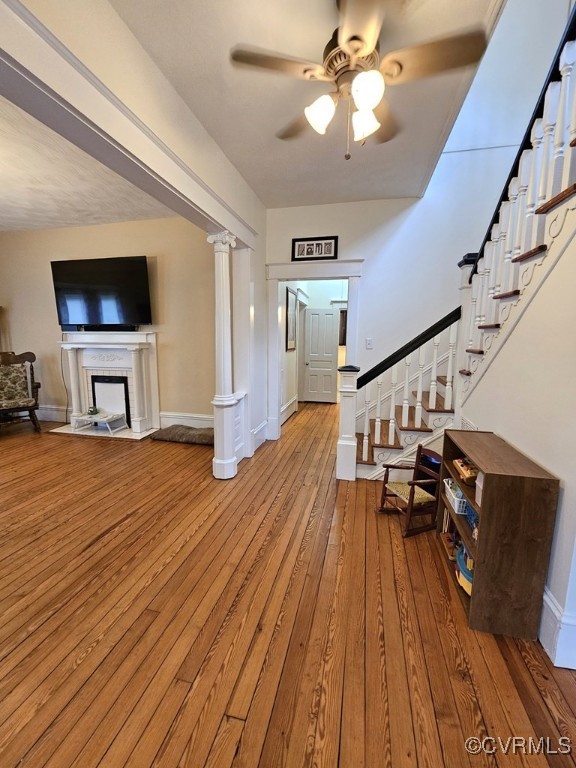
(418, 407)
(532, 227)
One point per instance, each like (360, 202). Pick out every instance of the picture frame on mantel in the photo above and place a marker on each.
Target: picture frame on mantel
(290, 319)
(314, 248)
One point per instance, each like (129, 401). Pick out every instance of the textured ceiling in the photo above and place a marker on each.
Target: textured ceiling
(47, 182)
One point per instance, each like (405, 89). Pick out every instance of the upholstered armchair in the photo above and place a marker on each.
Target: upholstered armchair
(18, 390)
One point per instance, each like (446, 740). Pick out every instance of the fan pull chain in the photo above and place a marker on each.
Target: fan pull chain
(347, 156)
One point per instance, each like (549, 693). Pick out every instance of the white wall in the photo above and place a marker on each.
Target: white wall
(321, 293)
(181, 266)
(526, 396)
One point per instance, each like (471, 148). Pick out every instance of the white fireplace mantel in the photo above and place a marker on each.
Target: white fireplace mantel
(133, 354)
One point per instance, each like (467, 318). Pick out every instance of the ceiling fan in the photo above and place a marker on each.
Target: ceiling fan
(352, 64)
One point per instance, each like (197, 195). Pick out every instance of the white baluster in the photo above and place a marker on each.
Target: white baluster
(450, 372)
(567, 59)
(550, 113)
(378, 425)
(434, 373)
(490, 254)
(481, 301)
(507, 273)
(406, 400)
(473, 319)
(392, 425)
(570, 164)
(366, 422)
(420, 387)
(530, 228)
(524, 170)
(502, 229)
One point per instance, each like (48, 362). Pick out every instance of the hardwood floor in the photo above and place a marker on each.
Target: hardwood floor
(155, 616)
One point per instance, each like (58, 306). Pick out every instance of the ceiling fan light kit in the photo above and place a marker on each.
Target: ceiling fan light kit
(368, 89)
(320, 113)
(364, 124)
(352, 63)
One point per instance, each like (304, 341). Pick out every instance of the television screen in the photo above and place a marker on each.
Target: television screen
(103, 294)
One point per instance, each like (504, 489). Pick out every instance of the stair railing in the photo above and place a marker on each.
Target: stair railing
(429, 358)
(517, 242)
(528, 141)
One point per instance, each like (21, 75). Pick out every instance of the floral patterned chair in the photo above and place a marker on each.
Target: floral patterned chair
(18, 390)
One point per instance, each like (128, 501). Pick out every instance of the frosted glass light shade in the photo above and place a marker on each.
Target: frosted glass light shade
(320, 113)
(368, 89)
(364, 123)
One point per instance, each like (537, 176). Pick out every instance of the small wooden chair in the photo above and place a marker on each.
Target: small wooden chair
(417, 497)
(18, 390)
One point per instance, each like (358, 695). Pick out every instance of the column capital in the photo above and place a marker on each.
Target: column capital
(222, 240)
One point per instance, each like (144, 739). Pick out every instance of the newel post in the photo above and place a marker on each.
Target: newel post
(224, 463)
(346, 449)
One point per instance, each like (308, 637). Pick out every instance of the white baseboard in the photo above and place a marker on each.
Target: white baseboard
(558, 632)
(258, 436)
(288, 409)
(167, 419)
(53, 413)
(59, 413)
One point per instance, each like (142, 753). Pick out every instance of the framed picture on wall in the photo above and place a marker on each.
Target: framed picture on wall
(290, 319)
(314, 248)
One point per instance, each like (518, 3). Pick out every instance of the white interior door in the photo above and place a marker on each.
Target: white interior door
(321, 356)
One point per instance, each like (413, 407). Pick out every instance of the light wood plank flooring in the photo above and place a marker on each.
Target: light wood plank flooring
(155, 616)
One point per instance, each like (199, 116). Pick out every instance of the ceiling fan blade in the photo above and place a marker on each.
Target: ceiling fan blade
(427, 59)
(253, 57)
(360, 25)
(293, 129)
(388, 125)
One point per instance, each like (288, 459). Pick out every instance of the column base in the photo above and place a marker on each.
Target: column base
(346, 460)
(224, 469)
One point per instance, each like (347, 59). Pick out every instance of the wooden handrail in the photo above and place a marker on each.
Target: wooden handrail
(569, 34)
(411, 346)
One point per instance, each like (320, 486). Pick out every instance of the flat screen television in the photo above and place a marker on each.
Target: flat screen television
(102, 294)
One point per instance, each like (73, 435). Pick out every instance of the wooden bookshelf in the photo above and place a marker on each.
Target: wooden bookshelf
(516, 524)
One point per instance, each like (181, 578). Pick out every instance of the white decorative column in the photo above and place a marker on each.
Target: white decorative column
(137, 417)
(346, 449)
(74, 381)
(224, 463)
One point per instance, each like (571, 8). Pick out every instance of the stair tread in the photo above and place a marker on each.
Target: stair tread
(359, 441)
(443, 380)
(411, 426)
(440, 406)
(385, 426)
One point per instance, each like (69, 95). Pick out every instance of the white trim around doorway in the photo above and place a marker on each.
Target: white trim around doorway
(326, 270)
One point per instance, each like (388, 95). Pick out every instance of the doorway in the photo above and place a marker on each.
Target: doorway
(348, 271)
(309, 372)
